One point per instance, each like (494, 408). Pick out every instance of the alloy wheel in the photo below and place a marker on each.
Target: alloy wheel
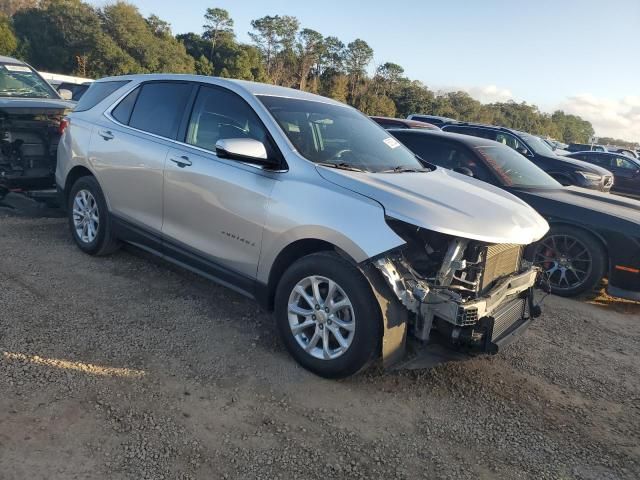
(565, 260)
(321, 317)
(86, 220)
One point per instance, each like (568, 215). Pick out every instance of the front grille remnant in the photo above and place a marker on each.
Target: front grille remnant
(500, 260)
(467, 316)
(508, 316)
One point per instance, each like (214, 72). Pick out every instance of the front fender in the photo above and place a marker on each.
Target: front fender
(301, 210)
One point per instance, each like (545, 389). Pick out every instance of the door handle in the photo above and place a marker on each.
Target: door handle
(182, 161)
(106, 134)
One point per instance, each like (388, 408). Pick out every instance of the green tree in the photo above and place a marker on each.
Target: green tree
(217, 22)
(309, 49)
(275, 36)
(335, 85)
(159, 27)
(357, 57)
(133, 34)
(56, 36)
(10, 7)
(387, 78)
(373, 104)
(412, 97)
(8, 40)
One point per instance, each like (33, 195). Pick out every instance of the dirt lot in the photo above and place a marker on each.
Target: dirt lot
(126, 367)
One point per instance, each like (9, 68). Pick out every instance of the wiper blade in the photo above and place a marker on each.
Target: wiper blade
(406, 170)
(341, 166)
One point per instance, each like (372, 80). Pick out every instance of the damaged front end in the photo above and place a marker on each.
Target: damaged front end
(28, 143)
(462, 297)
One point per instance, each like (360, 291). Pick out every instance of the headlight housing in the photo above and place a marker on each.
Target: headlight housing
(591, 177)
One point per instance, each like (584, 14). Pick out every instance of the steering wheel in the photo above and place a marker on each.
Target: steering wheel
(339, 153)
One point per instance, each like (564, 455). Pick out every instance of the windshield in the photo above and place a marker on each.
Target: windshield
(339, 136)
(513, 169)
(22, 81)
(537, 144)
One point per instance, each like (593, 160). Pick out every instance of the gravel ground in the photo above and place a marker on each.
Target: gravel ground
(126, 367)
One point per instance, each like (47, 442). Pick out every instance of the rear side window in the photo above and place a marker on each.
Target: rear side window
(159, 108)
(97, 92)
(122, 112)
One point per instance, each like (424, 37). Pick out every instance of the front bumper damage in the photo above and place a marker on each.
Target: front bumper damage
(438, 325)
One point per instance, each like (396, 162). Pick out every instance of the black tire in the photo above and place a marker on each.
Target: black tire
(365, 343)
(596, 252)
(104, 242)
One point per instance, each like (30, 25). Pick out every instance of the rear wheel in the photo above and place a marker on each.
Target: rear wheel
(327, 315)
(573, 260)
(89, 218)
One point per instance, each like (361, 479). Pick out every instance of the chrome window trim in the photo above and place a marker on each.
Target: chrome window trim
(108, 116)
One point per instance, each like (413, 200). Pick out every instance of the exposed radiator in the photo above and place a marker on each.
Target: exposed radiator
(500, 260)
(509, 316)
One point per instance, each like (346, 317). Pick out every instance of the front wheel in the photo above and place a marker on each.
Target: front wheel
(573, 260)
(327, 315)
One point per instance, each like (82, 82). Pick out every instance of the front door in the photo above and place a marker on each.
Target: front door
(215, 209)
(627, 175)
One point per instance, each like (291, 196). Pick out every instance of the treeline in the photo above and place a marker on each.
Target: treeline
(70, 36)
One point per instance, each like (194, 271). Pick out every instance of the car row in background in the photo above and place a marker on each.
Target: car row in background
(567, 171)
(592, 234)
(388, 122)
(77, 86)
(625, 169)
(581, 147)
(432, 119)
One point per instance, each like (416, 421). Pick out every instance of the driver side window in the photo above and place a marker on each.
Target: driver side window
(511, 141)
(621, 162)
(221, 114)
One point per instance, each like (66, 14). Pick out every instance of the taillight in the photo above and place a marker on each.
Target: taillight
(64, 123)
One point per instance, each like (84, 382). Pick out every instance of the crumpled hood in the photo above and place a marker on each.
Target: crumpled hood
(34, 105)
(447, 202)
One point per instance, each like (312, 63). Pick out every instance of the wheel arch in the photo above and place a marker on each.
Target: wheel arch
(594, 234)
(290, 254)
(74, 174)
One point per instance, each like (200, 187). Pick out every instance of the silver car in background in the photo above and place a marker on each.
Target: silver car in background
(306, 205)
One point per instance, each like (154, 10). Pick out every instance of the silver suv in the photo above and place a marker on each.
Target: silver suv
(306, 205)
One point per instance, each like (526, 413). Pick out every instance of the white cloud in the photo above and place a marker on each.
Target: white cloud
(490, 94)
(619, 118)
(485, 94)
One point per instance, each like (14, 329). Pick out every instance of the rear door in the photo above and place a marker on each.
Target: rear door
(130, 147)
(214, 208)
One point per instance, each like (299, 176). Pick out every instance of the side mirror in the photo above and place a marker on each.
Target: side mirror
(637, 173)
(244, 150)
(65, 94)
(464, 171)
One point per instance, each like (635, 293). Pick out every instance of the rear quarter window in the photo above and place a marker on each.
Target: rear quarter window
(97, 92)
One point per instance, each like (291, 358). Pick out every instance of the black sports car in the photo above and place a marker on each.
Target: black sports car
(593, 234)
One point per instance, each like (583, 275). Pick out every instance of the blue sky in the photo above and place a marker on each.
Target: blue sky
(581, 55)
